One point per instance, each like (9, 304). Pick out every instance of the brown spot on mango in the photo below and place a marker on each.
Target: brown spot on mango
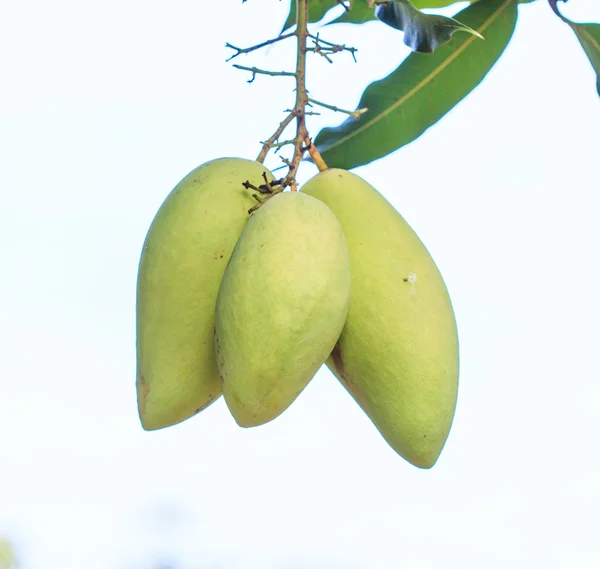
(143, 389)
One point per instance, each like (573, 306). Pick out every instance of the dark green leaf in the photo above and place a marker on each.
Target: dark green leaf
(589, 37)
(422, 32)
(421, 90)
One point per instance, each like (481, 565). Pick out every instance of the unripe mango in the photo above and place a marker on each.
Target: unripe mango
(183, 260)
(281, 305)
(398, 352)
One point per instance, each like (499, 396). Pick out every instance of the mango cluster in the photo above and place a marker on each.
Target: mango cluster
(251, 306)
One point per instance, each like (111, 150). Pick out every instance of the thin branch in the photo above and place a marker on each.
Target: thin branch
(326, 48)
(322, 52)
(301, 140)
(299, 111)
(269, 143)
(317, 38)
(279, 145)
(301, 92)
(354, 114)
(256, 71)
(240, 51)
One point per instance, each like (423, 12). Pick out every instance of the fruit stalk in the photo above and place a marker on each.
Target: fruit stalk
(303, 142)
(301, 93)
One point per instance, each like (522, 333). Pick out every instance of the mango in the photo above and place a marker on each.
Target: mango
(183, 260)
(398, 352)
(281, 306)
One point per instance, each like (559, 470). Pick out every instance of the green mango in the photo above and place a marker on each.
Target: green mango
(183, 260)
(398, 352)
(281, 305)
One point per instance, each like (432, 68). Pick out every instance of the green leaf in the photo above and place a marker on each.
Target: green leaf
(316, 10)
(361, 11)
(589, 37)
(420, 4)
(421, 90)
(422, 32)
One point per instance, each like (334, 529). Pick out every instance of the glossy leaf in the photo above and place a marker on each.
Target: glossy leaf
(421, 90)
(422, 32)
(361, 11)
(589, 37)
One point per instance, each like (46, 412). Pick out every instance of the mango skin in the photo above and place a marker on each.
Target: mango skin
(281, 305)
(398, 352)
(183, 260)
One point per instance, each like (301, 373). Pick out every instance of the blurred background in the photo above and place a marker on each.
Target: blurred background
(104, 107)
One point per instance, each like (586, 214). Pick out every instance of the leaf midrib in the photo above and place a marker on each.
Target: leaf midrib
(589, 37)
(486, 24)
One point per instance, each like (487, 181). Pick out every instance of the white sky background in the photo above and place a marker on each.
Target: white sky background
(104, 107)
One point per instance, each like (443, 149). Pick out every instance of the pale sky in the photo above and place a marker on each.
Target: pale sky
(104, 107)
